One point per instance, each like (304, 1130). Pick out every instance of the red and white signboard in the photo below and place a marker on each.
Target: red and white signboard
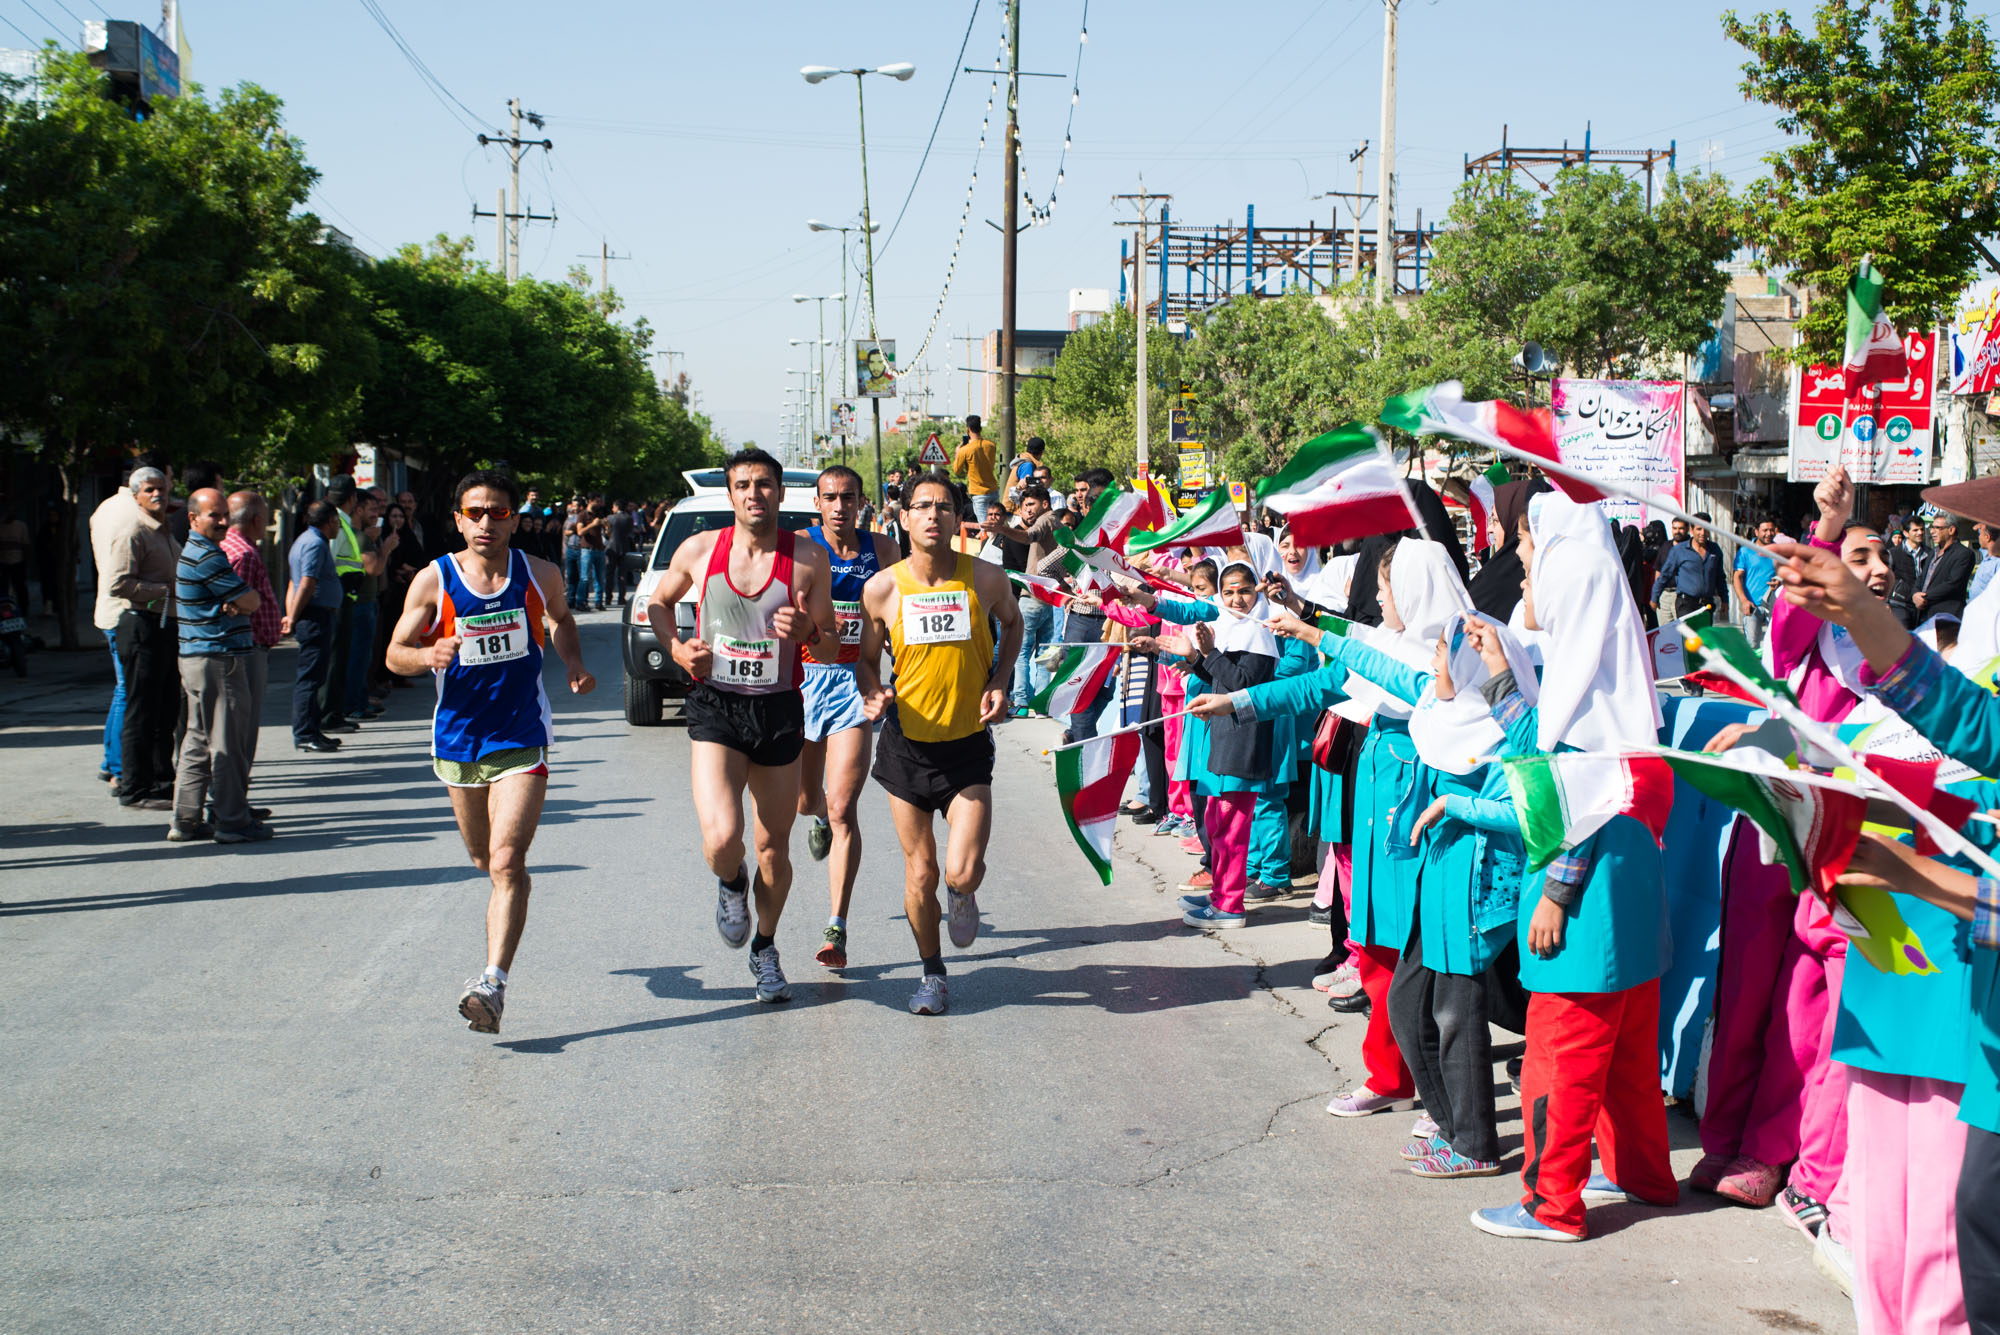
(1882, 434)
(933, 455)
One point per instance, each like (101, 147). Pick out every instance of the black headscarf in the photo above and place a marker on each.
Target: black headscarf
(1497, 587)
(1363, 605)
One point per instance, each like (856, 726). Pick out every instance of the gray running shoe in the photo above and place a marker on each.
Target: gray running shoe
(963, 917)
(771, 984)
(482, 1003)
(929, 998)
(819, 839)
(732, 913)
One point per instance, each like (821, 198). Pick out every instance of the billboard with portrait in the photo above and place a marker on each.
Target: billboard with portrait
(875, 368)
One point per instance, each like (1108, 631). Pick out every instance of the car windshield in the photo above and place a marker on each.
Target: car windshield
(684, 524)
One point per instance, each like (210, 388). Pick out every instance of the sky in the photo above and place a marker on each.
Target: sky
(687, 142)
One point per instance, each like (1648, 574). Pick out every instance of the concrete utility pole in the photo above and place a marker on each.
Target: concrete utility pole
(1385, 171)
(604, 258)
(1010, 232)
(1359, 157)
(510, 213)
(1143, 203)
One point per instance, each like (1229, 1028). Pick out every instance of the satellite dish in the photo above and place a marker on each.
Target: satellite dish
(1532, 359)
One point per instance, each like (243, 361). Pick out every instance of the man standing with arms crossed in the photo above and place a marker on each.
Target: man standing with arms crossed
(761, 597)
(834, 763)
(936, 752)
(478, 619)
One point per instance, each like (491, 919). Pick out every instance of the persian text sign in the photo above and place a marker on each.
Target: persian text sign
(1629, 431)
(1975, 340)
(1882, 434)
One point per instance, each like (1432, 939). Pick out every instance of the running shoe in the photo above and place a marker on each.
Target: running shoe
(1705, 1175)
(834, 953)
(1514, 1221)
(1345, 982)
(1750, 1182)
(1193, 902)
(1256, 889)
(819, 839)
(1448, 1162)
(1337, 977)
(1171, 825)
(1806, 1213)
(732, 913)
(771, 984)
(962, 917)
(1832, 1259)
(1362, 1101)
(1212, 917)
(1191, 845)
(481, 1003)
(929, 998)
(1601, 1190)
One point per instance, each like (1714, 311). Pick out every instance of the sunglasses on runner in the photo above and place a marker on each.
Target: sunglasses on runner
(478, 512)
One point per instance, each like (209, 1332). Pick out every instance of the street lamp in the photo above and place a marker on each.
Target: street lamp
(816, 225)
(901, 72)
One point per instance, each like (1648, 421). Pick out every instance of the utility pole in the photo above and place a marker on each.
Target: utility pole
(604, 258)
(971, 340)
(1143, 203)
(510, 213)
(1359, 158)
(1385, 170)
(1010, 232)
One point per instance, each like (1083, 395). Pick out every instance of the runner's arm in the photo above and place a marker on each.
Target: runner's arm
(408, 656)
(563, 635)
(692, 656)
(811, 620)
(878, 602)
(996, 596)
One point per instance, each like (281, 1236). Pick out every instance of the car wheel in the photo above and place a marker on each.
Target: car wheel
(642, 702)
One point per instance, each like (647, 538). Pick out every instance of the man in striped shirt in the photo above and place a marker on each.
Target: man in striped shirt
(215, 607)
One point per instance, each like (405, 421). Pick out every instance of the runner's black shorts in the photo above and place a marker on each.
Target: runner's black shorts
(928, 775)
(770, 729)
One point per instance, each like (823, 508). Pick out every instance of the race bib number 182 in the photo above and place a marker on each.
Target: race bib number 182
(937, 618)
(848, 617)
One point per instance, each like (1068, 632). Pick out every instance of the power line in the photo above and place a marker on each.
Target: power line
(446, 98)
(1040, 216)
(965, 211)
(18, 28)
(52, 27)
(957, 67)
(67, 10)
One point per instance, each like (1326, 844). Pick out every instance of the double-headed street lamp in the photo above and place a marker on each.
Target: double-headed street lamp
(901, 72)
(819, 374)
(816, 225)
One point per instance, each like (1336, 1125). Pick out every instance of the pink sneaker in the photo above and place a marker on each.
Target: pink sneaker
(1191, 845)
(1364, 1101)
(1749, 1182)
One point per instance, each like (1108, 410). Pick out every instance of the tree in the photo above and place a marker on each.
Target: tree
(1898, 156)
(158, 290)
(1599, 279)
(1087, 414)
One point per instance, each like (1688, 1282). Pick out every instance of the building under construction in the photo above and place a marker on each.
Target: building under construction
(1541, 165)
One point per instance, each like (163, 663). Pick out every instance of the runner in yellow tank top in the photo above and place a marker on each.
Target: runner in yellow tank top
(936, 751)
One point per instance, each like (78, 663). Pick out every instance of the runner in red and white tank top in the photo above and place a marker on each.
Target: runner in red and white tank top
(761, 598)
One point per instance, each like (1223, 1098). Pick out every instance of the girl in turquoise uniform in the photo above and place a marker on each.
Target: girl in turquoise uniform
(1594, 922)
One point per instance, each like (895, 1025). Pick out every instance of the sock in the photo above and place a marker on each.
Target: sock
(837, 921)
(759, 941)
(741, 883)
(497, 975)
(934, 964)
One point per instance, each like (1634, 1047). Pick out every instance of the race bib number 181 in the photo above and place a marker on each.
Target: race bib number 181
(493, 637)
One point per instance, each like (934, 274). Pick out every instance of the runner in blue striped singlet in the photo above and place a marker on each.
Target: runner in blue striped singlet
(479, 621)
(834, 763)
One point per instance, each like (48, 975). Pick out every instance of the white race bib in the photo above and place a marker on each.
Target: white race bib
(745, 662)
(944, 617)
(493, 637)
(1898, 740)
(848, 617)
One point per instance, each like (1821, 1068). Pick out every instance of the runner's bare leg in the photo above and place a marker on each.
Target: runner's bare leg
(775, 791)
(847, 773)
(970, 820)
(920, 874)
(812, 779)
(504, 815)
(719, 775)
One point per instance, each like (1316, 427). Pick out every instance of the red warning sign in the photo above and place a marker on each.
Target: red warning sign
(933, 455)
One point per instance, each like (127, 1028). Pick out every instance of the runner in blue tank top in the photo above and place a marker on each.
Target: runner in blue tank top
(478, 621)
(834, 763)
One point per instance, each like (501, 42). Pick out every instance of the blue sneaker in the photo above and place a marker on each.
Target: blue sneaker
(1209, 916)
(1514, 1221)
(1601, 1190)
(1193, 902)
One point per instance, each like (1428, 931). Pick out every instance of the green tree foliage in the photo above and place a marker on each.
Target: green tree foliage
(1896, 105)
(1602, 282)
(1087, 414)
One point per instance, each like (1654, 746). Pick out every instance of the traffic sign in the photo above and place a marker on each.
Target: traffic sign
(933, 455)
(1239, 494)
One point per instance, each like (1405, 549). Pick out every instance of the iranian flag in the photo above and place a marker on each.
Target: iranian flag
(1338, 486)
(1733, 647)
(1090, 779)
(1564, 798)
(1213, 523)
(1340, 627)
(1112, 518)
(1810, 827)
(1530, 434)
(1077, 679)
(1482, 507)
(1874, 351)
(1040, 587)
(1091, 567)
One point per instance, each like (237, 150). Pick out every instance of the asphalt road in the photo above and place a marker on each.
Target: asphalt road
(237, 1096)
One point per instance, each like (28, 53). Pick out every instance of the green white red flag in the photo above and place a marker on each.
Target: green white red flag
(1112, 518)
(1340, 485)
(1810, 827)
(1090, 567)
(1441, 410)
(1874, 351)
(1077, 679)
(1213, 523)
(1090, 780)
(1563, 798)
(1040, 587)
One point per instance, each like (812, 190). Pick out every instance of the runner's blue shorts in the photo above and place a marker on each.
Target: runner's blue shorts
(833, 700)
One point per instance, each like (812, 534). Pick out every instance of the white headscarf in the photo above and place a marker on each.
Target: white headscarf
(1979, 631)
(1597, 674)
(1307, 572)
(1424, 584)
(1328, 588)
(1265, 559)
(1247, 630)
(1451, 735)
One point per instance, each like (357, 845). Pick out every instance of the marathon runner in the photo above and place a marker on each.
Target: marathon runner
(838, 733)
(478, 621)
(745, 716)
(936, 752)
